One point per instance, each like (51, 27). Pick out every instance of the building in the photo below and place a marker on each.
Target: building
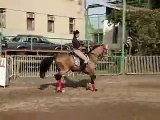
(107, 33)
(51, 18)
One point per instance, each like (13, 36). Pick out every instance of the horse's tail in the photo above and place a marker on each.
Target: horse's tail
(45, 65)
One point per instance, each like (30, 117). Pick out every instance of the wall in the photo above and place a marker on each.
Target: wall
(62, 9)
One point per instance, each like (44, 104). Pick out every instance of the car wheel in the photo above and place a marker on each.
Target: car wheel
(57, 48)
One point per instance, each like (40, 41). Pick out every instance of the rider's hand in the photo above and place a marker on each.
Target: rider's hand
(82, 48)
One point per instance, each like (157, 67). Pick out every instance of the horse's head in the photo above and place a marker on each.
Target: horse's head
(99, 50)
(104, 49)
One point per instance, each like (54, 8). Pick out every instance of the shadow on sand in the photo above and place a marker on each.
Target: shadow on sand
(68, 83)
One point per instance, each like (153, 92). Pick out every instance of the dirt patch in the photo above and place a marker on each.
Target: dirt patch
(110, 111)
(118, 98)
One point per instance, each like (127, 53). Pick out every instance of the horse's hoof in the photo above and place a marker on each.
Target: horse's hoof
(63, 90)
(88, 88)
(59, 91)
(95, 90)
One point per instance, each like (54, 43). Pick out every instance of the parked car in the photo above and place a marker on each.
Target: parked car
(31, 42)
(69, 45)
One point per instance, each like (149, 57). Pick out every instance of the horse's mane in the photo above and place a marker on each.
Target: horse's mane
(94, 47)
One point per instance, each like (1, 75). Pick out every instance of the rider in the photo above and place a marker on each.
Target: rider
(77, 49)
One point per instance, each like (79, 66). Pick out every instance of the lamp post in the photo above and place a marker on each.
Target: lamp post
(123, 36)
(149, 4)
(2, 10)
(86, 27)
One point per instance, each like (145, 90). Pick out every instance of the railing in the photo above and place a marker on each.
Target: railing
(142, 65)
(29, 66)
(109, 65)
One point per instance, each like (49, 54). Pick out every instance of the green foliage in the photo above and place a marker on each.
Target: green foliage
(153, 4)
(138, 3)
(144, 27)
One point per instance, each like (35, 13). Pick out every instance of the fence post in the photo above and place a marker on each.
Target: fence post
(61, 44)
(123, 35)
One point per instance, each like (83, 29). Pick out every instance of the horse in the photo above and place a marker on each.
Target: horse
(66, 62)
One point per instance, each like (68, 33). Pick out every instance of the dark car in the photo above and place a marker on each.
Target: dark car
(31, 42)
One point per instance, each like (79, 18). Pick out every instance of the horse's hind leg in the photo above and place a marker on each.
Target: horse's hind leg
(58, 77)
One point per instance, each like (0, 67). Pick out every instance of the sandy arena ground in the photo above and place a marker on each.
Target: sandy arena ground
(118, 98)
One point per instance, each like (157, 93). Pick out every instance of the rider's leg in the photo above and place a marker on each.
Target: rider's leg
(81, 55)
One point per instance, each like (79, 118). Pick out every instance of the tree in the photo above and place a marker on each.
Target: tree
(155, 4)
(143, 27)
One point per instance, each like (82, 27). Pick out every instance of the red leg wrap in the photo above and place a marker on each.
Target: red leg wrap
(93, 87)
(60, 84)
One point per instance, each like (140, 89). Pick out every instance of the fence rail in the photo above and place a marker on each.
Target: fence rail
(142, 65)
(29, 66)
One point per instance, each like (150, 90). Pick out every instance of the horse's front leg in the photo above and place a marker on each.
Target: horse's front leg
(93, 77)
(60, 87)
(58, 77)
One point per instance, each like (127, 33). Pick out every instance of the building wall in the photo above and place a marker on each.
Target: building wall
(109, 37)
(16, 20)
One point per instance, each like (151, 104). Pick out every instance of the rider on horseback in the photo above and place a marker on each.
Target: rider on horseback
(77, 49)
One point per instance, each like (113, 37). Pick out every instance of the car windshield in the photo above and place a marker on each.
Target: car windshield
(16, 39)
(44, 40)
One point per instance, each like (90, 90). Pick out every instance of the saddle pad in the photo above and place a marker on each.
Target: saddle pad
(77, 60)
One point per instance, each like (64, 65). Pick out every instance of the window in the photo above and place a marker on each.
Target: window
(71, 25)
(115, 35)
(79, 2)
(50, 23)
(2, 18)
(30, 21)
(22, 39)
(43, 39)
(29, 39)
(16, 39)
(35, 40)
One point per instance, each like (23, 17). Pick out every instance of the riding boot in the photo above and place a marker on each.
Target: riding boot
(83, 66)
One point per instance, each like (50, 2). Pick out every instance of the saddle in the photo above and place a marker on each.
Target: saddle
(77, 60)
